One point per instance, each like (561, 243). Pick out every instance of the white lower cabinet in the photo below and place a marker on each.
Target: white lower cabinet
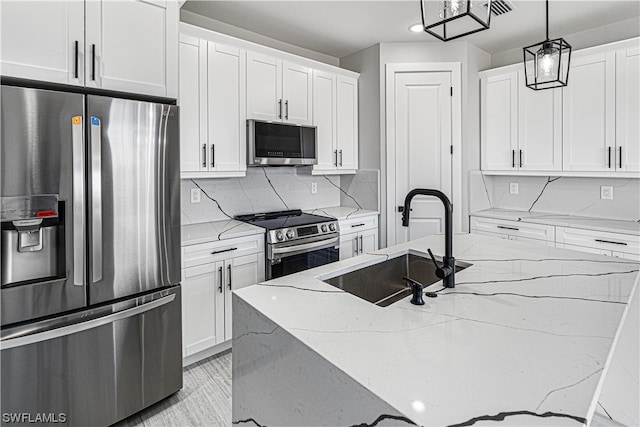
(358, 236)
(211, 271)
(514, 230)
(613, 244)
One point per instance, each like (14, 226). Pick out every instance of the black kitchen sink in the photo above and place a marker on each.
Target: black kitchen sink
(382, 284)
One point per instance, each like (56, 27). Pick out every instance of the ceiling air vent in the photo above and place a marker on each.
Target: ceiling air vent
(500, 7)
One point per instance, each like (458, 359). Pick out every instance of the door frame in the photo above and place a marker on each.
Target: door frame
(390, 143)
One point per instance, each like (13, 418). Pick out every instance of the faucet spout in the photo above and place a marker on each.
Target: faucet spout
(448, 259)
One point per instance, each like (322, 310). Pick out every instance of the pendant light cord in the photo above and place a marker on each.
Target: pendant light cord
(547, 7)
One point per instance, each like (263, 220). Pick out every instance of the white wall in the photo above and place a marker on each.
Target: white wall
(602, 35)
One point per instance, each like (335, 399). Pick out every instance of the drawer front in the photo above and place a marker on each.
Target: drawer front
(353, 225)
(220, 250)
(601, 240)
(514, 228)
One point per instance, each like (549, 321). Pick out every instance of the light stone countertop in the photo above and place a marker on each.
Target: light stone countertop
(574, 221)
(525, 337)
(193, 234)
(342, 212)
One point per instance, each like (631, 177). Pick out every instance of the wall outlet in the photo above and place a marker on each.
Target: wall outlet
(314, 187)
(513, 188)
(195, 195)
(606, 192)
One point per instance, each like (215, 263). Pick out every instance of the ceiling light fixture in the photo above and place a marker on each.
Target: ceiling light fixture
(452, 19)
(546, 64)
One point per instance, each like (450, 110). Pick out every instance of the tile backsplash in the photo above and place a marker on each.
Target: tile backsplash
(553, 194)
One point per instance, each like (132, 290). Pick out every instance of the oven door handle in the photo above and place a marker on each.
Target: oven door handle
(298, 249)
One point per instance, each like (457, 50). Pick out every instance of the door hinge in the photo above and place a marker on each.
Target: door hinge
(451, 90)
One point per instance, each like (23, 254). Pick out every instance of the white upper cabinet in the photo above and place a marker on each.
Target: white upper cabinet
(278, 90)
(335, 115)
(43, 40)
(499, 117)
(589, 114)
(128, 46)
(628, 109)
(212, 109)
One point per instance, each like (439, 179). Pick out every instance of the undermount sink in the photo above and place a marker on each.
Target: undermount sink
(382, 284)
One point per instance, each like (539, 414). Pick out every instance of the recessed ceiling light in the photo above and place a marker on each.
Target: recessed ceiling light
(416, 28)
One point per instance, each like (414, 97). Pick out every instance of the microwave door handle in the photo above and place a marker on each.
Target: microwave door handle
(96, 199)
(78, 200)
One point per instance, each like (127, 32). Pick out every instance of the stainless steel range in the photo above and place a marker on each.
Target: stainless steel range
(296, 241)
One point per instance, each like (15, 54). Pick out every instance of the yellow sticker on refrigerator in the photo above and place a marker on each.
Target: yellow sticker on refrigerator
(77, 120)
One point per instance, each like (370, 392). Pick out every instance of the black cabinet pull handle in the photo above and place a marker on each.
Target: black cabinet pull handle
(340, 157)
(508, 228)
(223, 251)
(611, 241)
(93, 62)
(513, 158)
(286, 109)
(75, 64)
(620, 158)
(213, 155)
(609, 161)
(204, 155)
(520, 158)
(280, 108)
(357, 225)
(220, 277)
(229, 271)
(335, 152)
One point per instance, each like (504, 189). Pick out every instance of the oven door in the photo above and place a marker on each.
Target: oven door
(287, 258)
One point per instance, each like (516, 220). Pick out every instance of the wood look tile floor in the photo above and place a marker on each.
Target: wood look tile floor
(205, 398)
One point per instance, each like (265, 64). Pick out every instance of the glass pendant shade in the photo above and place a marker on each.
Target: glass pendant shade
(451, 19)
(546, 64)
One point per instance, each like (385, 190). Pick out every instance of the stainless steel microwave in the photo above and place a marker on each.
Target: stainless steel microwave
(281, 144)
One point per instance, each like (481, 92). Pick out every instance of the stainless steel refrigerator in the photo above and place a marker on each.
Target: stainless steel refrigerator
(90, 295)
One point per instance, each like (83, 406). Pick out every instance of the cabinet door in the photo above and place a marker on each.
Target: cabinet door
(193, 106)
(297, 93)
(240, 272)
(348, 245)
(499, 121)
(264, 87)
(226, 108)
(324, 118)
(200, 295)
(628, 110)
(347, 123)
(368, 241)
(126, 45)
(539, 128)
(38, 40)
(588, 114)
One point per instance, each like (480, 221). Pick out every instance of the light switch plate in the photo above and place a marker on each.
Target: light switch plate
(606, 192)
(195, 195)
(314, 187)
(513, 188)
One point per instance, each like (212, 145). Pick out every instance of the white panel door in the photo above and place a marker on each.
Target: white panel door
(324, 118)
(297, 93)
(539, 128)
(192, 102)
(200, 307)
(423, 141)
(499, 122)
(240, 272)
(38, 40)
(348, 245)
(264, 87)
(368, 241)
(347, 123)
(226, 108)
(126, 46)
(628, 110)
(589, 113)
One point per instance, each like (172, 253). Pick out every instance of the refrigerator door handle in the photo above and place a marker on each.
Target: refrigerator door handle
(96, 199)
(78, 200)
(83, 326)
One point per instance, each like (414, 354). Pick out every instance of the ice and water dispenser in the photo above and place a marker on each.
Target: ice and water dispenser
(33, 239)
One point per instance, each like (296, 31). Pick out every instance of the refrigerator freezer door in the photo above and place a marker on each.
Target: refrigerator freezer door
(41, 155)
(134, 202)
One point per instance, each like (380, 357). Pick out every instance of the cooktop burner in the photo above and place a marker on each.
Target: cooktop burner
(291, 225)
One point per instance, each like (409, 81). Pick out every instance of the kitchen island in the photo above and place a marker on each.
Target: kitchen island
(525, 338)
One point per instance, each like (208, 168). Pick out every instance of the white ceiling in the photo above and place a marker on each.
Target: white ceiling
(339, 28)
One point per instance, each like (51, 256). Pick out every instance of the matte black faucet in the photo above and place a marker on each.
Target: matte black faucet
(448, 269)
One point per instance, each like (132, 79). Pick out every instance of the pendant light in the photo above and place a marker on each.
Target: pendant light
(451, 19)
(546, 64)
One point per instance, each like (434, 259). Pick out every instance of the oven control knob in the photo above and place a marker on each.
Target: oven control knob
(324, 228)
(279, 236)
(290, 234)
(332, 227)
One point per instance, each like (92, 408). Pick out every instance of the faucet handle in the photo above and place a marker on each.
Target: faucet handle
(416, 289)
(433, 258)
(441, 272)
